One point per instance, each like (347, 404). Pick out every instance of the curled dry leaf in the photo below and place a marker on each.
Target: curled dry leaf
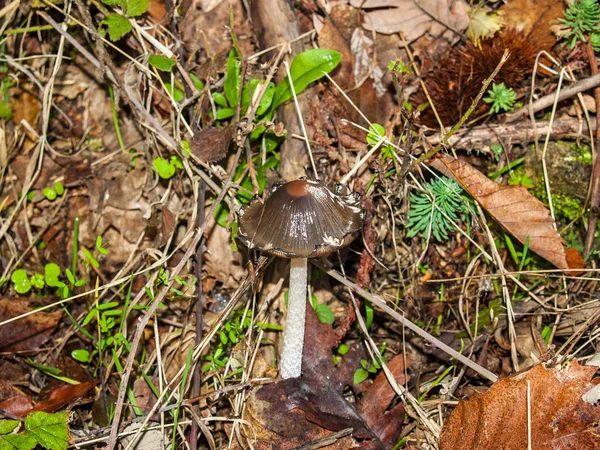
(414, 18)
(498, 419)
(516, 210)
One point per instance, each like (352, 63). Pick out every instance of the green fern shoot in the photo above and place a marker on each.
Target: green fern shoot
(437, 207)
(581, 19)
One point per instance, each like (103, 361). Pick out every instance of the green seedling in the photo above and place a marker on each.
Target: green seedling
(324, 312)
(55, 191)
(581, 20)
(502, 99)
(118, 25)
(166, 169)
(368, 368)
(436, 208)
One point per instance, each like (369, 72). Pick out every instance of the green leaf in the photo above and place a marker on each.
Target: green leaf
(21, 281)
(50, 193)
(162, 62)
(6, 111)
(306, 67)
(324, 313)
(376, 133)
(225, 113)
(70, 276)
(232, 78)
(50, 430)
(164, 168)
(219, 99)
(99, 246)
(360, 375)
(177, 94)
(51, 274)
(17, 442)
(89, 257)
(197, 82)
(136, 8)
(8, 426)
(81, 355)
(59, 188)
(118, 26)
(118, 3)
(37, 281)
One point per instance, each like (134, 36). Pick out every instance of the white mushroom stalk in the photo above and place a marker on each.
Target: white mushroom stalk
(293, 335)
(299, 220)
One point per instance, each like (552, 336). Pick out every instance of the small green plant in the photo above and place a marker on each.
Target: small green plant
(581, 19)
(6, 111)
(502, 98)
(167, 168)
(436, 208)
(377, 134)
(233, 331)
(118, 25)
(55, 191)
(323, 311)
(50, 431)
(369, 367)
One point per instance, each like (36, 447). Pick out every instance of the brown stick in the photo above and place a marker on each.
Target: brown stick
(546, 101)
(523, 132)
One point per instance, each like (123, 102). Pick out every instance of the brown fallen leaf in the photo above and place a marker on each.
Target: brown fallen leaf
(515, 209)
(560, 419)
(414, 19)
(210, 144)
(27, 334)
(317, 402)
(64, 395)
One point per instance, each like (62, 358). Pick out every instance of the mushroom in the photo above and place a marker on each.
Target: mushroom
(299, 220)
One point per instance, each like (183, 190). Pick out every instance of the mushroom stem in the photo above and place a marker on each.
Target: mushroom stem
(293, 337)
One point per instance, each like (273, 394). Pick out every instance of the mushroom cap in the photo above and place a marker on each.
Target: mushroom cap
(301, 219)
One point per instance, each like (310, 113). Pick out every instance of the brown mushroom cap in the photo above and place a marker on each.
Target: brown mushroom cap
(300, 219)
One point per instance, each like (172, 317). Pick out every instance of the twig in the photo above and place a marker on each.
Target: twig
(546, 101)
(381, 303)
(595, 180)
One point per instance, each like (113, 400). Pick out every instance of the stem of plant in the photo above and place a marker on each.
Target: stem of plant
(293, 337)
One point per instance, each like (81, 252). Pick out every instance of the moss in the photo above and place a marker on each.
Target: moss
(584, 153)
(566, 208)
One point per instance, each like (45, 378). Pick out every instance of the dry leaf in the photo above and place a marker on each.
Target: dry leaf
(483, 24)
(210, 144)
(515, 209)
(26, 334)
(560, 419)
(414, 19)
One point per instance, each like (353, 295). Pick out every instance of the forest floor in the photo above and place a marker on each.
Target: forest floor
(136, 135)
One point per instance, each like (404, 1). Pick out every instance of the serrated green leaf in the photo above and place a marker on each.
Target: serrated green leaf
(8, 426)
(118, 3)
(306, 67)
(162, 62)
(134, 8)
(50, 430)
(17, 442)
(117, 25)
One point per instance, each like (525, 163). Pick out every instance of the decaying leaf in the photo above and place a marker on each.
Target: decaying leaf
(515, 209)
(483, 23)
(414, 18)
(296, 411)
(210, 144)
(560, 418)
(64, 395)
(29, 333)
